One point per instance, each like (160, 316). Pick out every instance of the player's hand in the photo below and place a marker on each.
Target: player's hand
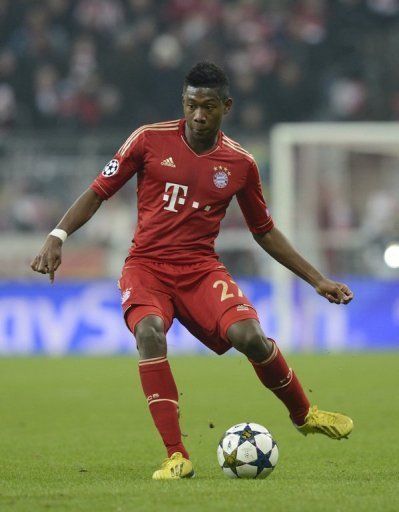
(337, 293)
(49, 258)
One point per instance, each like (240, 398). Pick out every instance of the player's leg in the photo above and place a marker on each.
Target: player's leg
(274, 373)
(270, 366)
(148, 312)
(160, 389)
(217, 312)
(157, 380)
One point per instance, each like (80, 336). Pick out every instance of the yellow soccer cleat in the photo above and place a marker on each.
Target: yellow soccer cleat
(331, 424)
(174, 468)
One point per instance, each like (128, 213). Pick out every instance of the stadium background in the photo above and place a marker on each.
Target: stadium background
(76, 77)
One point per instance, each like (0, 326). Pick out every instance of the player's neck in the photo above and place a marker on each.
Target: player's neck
(200, 146)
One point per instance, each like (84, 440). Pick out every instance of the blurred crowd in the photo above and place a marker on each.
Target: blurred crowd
(83, 64)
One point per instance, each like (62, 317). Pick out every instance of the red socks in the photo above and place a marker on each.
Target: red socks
(276, 376)
(160, 390)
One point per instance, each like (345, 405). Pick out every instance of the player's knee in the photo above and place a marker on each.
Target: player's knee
(151, 343)
(250, 343)
(247, 337)
(151, 340)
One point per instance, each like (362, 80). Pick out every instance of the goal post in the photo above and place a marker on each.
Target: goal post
(286, 182)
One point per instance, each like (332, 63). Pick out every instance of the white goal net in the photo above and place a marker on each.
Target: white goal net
(335, 194)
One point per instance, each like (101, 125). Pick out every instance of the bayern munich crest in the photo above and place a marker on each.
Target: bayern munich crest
(221, 176)
(111, 168)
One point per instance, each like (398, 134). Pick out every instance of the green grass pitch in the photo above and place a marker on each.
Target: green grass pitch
(75, 435)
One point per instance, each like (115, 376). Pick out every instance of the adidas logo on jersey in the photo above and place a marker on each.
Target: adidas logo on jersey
(168, 162)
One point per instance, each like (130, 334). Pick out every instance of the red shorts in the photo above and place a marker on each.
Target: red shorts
(203, 297)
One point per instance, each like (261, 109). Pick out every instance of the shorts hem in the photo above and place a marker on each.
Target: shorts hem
(150, 310)
(233, 317)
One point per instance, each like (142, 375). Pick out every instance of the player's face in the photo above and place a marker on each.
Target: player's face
(204, 110)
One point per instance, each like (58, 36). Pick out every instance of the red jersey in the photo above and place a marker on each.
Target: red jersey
(183, 196)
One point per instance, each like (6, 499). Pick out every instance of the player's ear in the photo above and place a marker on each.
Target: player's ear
(227, 105)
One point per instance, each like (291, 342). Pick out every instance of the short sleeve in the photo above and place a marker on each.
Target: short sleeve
(127, 161)
(253, 205)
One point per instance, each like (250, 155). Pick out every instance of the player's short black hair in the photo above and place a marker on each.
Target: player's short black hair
(208, 74)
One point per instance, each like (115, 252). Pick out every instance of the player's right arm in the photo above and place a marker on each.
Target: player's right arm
(126, 162)
(82, 210)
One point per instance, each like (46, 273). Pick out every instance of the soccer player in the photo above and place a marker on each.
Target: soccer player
(188, 171)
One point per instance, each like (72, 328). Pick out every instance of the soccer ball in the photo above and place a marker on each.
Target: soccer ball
(247, 450)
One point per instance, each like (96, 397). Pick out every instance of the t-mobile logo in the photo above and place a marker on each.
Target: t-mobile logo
(174, 196)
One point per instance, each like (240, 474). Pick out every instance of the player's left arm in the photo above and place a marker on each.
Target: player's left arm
(260, 223)
(277, 245)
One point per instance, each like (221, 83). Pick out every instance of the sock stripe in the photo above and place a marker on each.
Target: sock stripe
(164, 400)
(154, 360)
(271, 358)
(290, 377)
(151, 359)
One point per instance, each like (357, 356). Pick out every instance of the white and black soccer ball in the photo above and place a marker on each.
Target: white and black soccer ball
(247, 450)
